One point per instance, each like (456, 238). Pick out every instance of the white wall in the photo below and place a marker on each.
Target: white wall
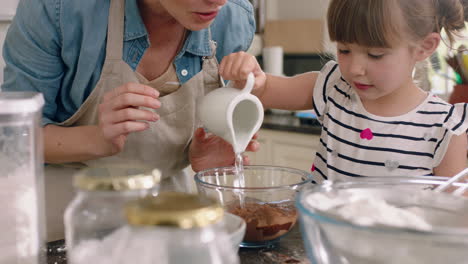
(296, 9)
(7, 11)
(3, 29)
(8, 8)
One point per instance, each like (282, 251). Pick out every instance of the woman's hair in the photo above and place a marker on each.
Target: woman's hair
(380, 23)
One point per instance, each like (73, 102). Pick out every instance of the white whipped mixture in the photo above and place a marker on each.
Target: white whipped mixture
(153, 245)
(367, 210)
(119, 247)
(19, 221)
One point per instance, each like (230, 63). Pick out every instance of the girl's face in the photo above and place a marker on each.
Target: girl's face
(193, 14)
(377, 74)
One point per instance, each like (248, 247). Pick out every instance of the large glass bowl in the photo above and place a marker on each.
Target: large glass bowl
(331, 239)
(265, 202)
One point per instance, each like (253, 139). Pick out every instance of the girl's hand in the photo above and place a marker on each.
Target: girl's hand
(120, 114)
(237, 66)
(210, 151)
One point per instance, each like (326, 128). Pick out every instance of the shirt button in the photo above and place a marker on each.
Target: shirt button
(184, 72)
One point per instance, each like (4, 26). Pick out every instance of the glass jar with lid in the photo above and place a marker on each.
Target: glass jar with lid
(22, 220)
(101, 196)
(171, 228)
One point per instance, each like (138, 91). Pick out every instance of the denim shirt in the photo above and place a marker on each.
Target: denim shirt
(58, 47)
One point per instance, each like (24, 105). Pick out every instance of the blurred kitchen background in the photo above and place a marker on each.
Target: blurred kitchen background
(291, 38)
(7, 11)
(299, 27)
(297, 30)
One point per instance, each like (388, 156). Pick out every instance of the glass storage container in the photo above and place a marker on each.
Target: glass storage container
(22, 219)
(171, 228)
(98, 206)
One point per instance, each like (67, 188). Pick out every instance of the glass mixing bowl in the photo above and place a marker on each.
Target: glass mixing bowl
(330, 238)
(265, 202)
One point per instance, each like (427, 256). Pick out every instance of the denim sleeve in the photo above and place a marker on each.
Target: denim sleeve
(235, 30)
(32, 52)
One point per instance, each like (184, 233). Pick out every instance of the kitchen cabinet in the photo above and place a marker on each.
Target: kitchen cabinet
(288, 149)
(281, 148)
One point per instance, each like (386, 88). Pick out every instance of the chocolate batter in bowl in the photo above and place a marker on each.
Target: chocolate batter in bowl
(265, 201)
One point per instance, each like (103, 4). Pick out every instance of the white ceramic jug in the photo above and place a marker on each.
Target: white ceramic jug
(233, 114)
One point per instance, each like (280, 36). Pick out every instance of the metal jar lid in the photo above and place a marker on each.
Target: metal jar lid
(174, 209)
(20, 102)
(121, 178)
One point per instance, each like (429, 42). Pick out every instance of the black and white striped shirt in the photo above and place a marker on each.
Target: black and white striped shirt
(356, 143)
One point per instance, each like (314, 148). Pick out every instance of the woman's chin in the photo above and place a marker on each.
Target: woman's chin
(197, 26)
(194, 23)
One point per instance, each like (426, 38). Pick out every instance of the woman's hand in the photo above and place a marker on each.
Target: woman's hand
(121, 113)
(237, 66)
(210, 151)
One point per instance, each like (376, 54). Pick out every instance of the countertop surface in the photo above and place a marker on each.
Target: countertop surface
(289, 249)
(291, 123)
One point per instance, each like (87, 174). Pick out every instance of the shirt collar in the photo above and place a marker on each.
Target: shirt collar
(134, 26)
(197, 43)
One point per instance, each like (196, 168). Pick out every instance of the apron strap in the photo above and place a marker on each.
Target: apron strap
(213, 45)
(115, 28)
(210, 66)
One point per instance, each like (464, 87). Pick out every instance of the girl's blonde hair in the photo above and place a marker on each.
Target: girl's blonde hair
(380, 23)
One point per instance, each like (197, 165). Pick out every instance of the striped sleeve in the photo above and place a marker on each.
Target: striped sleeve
(455, 123)
(326, 78)
(457, 119)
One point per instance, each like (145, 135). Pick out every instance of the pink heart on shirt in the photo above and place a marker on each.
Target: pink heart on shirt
(367, 134)
(313, 167)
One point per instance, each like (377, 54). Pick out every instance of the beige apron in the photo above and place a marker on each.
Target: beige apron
(164, 145)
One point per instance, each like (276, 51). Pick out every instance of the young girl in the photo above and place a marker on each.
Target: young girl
(375, 120)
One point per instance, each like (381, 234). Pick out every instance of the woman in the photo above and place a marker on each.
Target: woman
(121, 80)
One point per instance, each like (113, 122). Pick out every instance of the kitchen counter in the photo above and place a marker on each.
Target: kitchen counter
(289, 249)
(290, 123)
